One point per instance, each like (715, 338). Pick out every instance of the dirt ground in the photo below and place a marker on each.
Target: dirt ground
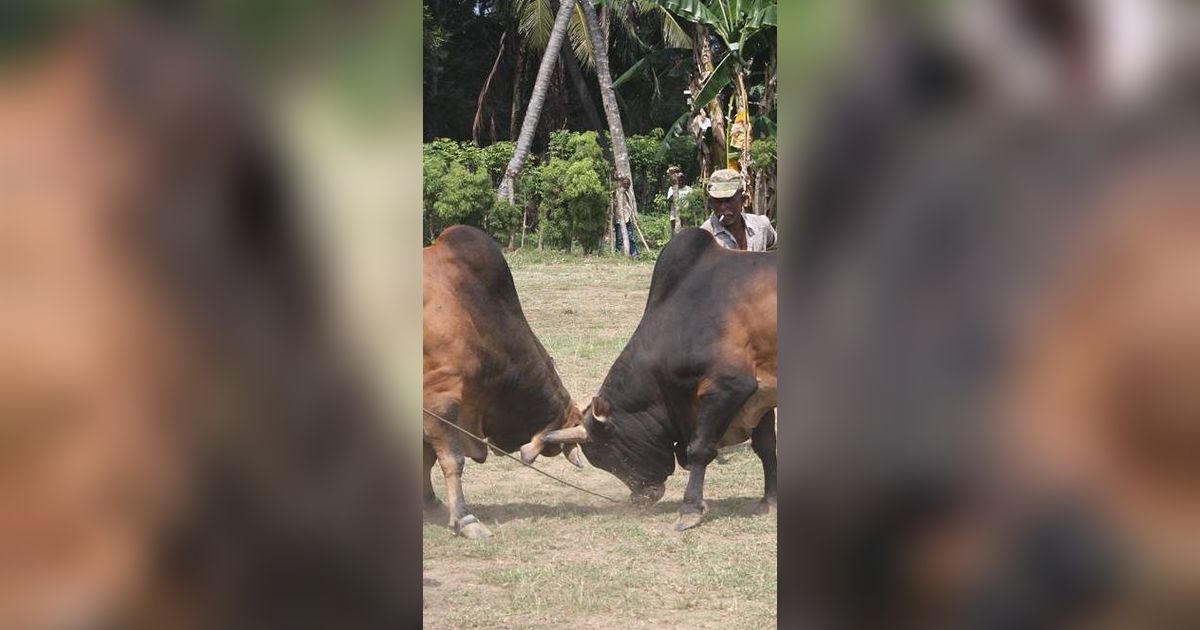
(561, 558)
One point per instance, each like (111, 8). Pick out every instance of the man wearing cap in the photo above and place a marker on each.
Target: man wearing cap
(732, 228)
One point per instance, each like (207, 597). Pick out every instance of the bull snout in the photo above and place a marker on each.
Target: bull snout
(645, 496)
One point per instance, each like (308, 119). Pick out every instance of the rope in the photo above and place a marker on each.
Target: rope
(516, 459)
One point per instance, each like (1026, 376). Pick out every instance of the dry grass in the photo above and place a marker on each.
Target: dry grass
(560, 558)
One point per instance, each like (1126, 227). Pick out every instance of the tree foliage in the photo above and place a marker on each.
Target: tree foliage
(455, 194)
(573, 191)
(567, 194)
(692, 209)
(574, 204)
(764, 153)
(650, 155)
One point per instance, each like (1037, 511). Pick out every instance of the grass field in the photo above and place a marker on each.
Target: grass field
(561, 558)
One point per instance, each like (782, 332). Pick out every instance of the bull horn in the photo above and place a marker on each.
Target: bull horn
(530, 452)
(574, 455)
(574, 435)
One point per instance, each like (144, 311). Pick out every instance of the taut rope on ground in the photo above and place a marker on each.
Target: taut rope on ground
(514, 458)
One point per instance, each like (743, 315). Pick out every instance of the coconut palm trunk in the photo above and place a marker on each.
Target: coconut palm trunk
(534, 112)
(585, 96)
(612, 112)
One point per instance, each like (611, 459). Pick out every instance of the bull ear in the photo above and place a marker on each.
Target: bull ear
(574, 435)
(601, 409)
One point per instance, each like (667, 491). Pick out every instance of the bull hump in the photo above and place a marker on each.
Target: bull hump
(683, 253)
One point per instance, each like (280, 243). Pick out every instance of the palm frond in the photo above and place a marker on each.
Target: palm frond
(646, 63)
(535, 21)
(581, 40)
(627, 13)
(674, 34)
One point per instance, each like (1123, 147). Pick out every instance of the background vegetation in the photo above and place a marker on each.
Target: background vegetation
(564, 191)
(694, 82)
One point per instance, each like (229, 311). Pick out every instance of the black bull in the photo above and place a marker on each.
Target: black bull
(698, 373)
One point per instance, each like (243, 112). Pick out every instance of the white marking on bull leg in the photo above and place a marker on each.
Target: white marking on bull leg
(531, 450)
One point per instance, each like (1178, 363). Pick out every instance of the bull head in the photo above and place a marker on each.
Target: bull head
(531, 450)
(582, 432)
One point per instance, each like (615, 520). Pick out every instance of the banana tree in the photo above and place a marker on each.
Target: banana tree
(740, 25)
(736, 22)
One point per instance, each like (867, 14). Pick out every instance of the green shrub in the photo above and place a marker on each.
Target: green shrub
(504, 221)
(681, 152)
(465, 197)
(576, 146)
(647, 165)
(764, 152)
(494, 159)
(656, 228)
(692, 208)
(659, 205)
(433, 182)
(574, 203)
(447, 150)
(650, 156)
(567, 194)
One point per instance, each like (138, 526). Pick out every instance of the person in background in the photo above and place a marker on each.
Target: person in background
(626, 207)
(674, 195)
(732, 228)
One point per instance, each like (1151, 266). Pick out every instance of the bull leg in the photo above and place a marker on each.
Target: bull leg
(762, 440)
(431, 500)
(717, 410)
(461, 521)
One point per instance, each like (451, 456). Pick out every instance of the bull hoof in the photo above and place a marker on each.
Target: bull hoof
(470, 527)
(764, 508)
(530, 452)
(688, 520)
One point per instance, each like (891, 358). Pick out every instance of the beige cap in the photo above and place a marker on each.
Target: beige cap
(724, 183)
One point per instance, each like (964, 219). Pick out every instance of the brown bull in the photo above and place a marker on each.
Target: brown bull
(484, 368)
